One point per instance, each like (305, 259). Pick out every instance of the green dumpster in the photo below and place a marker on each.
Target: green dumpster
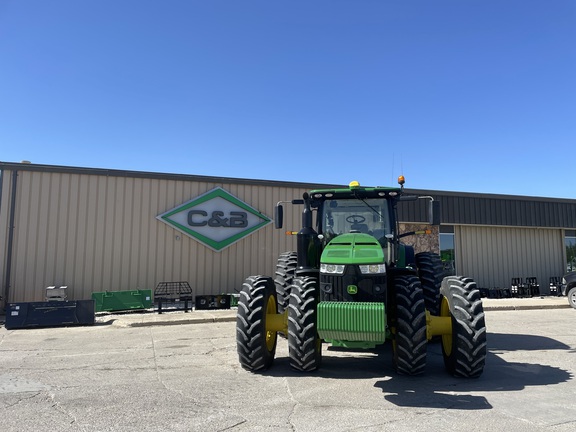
(109, 301)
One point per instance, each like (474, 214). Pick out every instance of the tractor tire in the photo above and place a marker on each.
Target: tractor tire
(304, 344)
(572, 297)
(464, 350)
(409, 326)
(256, 346)
(285, 270)
(431, 273)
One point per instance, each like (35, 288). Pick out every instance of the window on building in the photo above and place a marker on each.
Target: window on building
(570, 241)
(447, 249)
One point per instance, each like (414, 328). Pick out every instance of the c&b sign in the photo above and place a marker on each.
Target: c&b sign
(216, 219)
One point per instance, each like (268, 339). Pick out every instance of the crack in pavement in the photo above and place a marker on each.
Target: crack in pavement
(295, 403)
(58, 407)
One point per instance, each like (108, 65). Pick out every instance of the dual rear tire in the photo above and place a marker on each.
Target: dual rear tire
(431, 273)
(255, 343)
(304, 344)
(408, 324)
(464, 350)
(285, 271)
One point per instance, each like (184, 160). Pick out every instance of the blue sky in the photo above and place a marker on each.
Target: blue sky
(462, 95)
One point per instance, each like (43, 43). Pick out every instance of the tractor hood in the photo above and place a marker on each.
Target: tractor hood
(353, 249)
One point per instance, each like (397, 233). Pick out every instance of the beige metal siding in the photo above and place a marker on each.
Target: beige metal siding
(6, 187)
(96, 233)
(493, 256)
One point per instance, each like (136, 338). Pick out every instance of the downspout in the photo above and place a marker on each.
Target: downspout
(10, 238)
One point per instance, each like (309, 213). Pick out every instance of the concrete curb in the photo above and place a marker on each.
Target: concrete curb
(532, 303)
(229, 315)
(150, 318)
(184, 321)
(526, 307)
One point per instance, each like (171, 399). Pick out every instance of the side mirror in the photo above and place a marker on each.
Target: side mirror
(435, 213)
(278, 216)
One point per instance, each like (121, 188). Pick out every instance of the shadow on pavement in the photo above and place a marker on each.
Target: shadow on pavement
(523, 342)
(436, 388)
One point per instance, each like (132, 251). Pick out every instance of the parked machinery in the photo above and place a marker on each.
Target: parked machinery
(555, 286)
(517, 288)
(354, 284)
(532, 286)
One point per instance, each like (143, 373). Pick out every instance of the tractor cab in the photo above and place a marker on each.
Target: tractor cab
(354, 216)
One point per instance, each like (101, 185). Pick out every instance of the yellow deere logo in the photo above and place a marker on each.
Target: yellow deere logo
(352, 289)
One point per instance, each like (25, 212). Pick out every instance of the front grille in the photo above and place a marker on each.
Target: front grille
(371, 288)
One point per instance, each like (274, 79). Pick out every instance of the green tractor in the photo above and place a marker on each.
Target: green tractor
(352, 283)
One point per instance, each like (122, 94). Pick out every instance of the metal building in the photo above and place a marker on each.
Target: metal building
(94, 230)
(499, 237)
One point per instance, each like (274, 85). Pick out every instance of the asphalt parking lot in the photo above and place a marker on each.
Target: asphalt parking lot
(186, 377)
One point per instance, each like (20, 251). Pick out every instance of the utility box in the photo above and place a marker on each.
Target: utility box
(110, 301)
(49, 314)
(555, 286)
(207, 302)
(532, 286)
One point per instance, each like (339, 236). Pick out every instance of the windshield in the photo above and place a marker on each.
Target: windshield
(369, 216)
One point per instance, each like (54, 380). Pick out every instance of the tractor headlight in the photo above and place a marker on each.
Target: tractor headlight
(373, 269)
(332, 268)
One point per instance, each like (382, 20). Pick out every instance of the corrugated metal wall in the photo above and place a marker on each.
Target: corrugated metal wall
(96, 233)
(493, 256)
(96, 230)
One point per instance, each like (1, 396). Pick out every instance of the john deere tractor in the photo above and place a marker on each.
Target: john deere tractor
(352, 283)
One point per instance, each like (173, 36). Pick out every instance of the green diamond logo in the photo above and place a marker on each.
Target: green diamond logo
(216, 219)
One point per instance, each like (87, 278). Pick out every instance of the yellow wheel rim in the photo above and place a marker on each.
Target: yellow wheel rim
(394, 346)
(270, 335)
(447, 338)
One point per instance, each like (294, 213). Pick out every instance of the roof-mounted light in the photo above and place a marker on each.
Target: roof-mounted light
(401, 180)
(354, 184)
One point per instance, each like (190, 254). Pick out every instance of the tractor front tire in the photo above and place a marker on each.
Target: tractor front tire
(255, 344)
(285, 270)
(464, 350)
(409, 326)
(431, 273)
(304, 344)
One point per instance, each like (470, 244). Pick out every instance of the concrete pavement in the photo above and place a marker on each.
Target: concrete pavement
(188, 378)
